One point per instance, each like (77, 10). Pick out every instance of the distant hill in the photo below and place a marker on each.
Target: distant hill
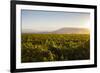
(61, 31)
(72, 31)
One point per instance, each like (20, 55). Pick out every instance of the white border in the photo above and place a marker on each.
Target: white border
(20, 65)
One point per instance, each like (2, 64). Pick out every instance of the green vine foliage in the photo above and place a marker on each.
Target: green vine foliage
(54, 47)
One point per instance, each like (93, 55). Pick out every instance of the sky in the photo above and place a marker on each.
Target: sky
(39, 20)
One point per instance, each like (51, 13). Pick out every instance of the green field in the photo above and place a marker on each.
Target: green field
(54, 47)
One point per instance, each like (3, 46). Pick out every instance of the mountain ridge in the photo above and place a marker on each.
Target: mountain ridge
(65, 30)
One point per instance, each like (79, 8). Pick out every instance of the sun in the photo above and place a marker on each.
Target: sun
(87, 25)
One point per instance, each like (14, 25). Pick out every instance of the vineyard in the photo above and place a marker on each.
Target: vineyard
(54, 47)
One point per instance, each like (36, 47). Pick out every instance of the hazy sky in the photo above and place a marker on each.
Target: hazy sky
(52, 20)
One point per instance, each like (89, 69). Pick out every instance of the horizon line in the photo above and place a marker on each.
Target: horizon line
(57, 29)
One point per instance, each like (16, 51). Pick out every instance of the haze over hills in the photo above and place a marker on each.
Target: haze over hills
(72, 31)
(66, 30)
